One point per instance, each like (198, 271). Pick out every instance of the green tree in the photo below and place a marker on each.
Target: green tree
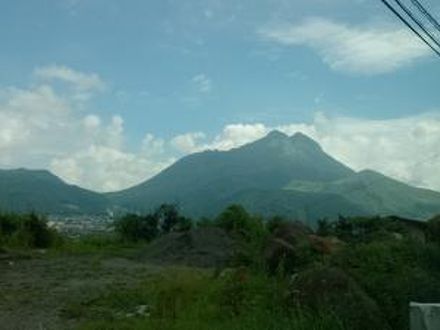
(433, 229)
(275, 222)
(324, 227)
(168, 217)
(132, 227)
(234, 219)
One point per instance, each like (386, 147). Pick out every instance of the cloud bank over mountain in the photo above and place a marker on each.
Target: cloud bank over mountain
(50, 126)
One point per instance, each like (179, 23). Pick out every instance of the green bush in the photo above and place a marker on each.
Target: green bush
(165, 219)
(324, 288)
(236, 220)
(433, 229)
(132, 227)
(249, 232)
(9, 223)
(27, 231)
(275, 222)
(205, 222)
(393, 273)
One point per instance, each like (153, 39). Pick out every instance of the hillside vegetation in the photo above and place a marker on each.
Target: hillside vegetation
(239, 271)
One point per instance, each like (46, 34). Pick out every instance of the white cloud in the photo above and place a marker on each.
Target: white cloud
(405, 148)
(43, 128)
(203, 83)
(105, 168)
(153, 146)
(103, 163)
(188, 143)
(92, 122)
(238, 134)
(25, 118)
(366, 50)
(82, 82)
(232, 136)
(40, 128)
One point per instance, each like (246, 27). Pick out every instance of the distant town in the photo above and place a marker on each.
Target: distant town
(78, 225)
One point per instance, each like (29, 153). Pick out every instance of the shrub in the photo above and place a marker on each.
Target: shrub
(132, 227)
(170, 220)
(275, 222)
(184, 224)
(28, 231)
(165, 219)
(433, 230)
(288, 248)
(323, 288)
(168, 217)
(8, 224)
(393, 273)
(249, 232)
(34, 232)
(205, 222)
(324, 227)
(235, 219)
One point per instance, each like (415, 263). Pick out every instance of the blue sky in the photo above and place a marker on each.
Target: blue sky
(157, 79)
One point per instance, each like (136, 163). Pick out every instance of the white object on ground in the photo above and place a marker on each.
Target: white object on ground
(424, 316)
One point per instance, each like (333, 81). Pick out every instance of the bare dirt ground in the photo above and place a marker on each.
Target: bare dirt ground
(34, 291)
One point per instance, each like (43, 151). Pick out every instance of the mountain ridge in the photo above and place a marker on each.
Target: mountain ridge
(265, 169)
(24, 190)
(277, 174)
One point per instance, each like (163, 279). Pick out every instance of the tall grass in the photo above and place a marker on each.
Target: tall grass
(194, 299)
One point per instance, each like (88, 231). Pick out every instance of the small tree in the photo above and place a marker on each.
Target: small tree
(184, 224)
(234, 219)
(433, 229)
(324, 227)
(275, 222)
(168, 217)
(33, 232)
(132, 227)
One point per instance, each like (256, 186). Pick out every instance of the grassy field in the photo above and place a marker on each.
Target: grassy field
(237, 272)
(89, 287)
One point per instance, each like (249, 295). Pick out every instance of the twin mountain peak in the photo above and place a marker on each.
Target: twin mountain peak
(278, 174)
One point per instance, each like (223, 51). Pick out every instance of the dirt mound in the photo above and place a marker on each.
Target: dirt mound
(201, 247)
(325, 245)
(331, 288)
(286, 247)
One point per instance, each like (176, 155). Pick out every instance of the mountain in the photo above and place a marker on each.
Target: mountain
(277, 174)
(203, 183)
(377, 194)
(24, 190)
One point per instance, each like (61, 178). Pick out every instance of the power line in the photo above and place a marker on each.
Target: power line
(425, 12)
(395, 12)
(417, 21)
